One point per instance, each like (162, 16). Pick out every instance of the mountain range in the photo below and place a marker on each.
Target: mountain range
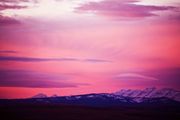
(148, 96)
(125, 104)
(121, 97)
(149, 93)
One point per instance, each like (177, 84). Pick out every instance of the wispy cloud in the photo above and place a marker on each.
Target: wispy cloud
(96, 60)
(122, 8)
(4, 20)
(134, 76)
(167, 77)
(32, 79)
(11, 5)
(17, 1)
(5, 6)
(33, 59)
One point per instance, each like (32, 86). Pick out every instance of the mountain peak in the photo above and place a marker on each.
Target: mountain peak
(40, 95)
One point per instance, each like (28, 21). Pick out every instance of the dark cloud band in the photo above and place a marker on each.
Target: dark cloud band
(31, 59)
(32, 79)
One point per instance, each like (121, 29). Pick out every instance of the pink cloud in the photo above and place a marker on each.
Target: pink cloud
(131, 76)
(4, 7)
(8, 21)
(32, 79)
(11, 5)
(122, 9)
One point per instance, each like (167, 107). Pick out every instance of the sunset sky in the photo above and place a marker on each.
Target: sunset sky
(69, 47)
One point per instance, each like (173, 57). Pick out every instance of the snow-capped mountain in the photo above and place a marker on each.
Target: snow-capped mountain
(100, 99)
(40, 95)
(140, 95)
(122, 97)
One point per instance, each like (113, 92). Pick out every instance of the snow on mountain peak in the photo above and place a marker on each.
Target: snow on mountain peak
(150, 93)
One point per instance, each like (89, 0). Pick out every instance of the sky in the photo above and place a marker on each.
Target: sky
(70, 47)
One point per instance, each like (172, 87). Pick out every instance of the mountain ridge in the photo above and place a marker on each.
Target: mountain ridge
(148, 96)
(150, 93)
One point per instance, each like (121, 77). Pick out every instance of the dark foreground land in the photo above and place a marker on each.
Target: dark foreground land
(73, 112)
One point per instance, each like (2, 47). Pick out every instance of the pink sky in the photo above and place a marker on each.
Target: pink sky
(68, 47)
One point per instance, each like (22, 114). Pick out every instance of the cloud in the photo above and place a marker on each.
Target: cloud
(134, 76)
(96, 60)
(122, 8)
(8, 51)
(11, 4)
(33, 59)
(32, 79)
(14, 1)
(17, 1)
(15, 4)
(4, 21)
(5, 6)
(8, 20)
(167, 77)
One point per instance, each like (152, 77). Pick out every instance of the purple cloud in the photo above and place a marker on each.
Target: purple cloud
(8, 51)
(14, 4)
(5, 6)
(11, 4)
(14, 1)
(134, 76)
(169, 77)
(122, 8)
(23, 78)
(96, 60)
(17, 1)
(8, 20)
(33, 59)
